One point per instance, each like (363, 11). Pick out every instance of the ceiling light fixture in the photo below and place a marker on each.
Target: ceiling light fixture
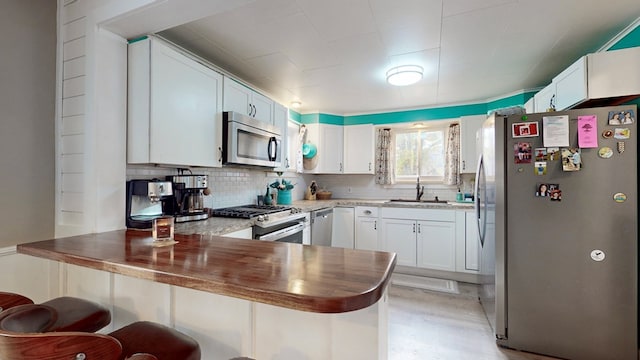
(404, 75)
(296, 104)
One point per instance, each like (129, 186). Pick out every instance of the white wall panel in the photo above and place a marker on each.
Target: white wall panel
(72, 201)
(73, 182)
(72, 163)
(73, 106)
(72, 144)
(73, 49)
(74, 67)
(73, 87)
(72, 125)
(75, 29)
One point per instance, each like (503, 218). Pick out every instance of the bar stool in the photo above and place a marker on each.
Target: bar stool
(23, 335)
(72, 314)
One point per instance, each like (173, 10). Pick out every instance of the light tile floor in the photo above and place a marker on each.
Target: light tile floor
(429, 325)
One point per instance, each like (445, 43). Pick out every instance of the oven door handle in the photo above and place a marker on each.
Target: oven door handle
(282, 233)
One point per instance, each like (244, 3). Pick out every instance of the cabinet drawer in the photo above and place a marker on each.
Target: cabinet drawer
(371, 211)
(419, 214)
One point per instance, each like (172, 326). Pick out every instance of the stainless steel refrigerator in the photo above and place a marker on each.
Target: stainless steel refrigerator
(560, 231)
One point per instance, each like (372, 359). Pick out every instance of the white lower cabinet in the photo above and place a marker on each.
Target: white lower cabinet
(366, 236)
(424, 238)
(241, 234)
(343, 227)
(436, 245)
(467, 242)
(400, 238)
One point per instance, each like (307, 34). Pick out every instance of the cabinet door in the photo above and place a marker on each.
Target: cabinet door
(469, 126)
(294, 148)
(436, 245)
(262, 108)
(359, 149)
(343, 229)
(330, 161)
(399, 236)
(571, 85)
(281, 121)
(237, 97)
(185, 101)
(366, 233)
(543, 98)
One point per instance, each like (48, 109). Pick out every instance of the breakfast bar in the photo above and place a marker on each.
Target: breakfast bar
(235, 296)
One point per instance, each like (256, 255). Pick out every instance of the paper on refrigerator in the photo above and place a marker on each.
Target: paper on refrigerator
(555, 130)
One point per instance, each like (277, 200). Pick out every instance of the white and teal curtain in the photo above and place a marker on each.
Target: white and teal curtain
(452, 156)
(384, 157)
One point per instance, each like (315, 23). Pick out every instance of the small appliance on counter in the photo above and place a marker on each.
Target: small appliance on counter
(145, 202)
(187, 204)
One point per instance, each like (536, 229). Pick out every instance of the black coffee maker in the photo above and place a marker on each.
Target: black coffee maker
(187, 204)
(146, 201)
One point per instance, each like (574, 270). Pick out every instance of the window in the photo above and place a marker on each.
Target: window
(420, 152)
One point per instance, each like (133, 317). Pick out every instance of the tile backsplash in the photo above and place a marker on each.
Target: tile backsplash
(230, 186)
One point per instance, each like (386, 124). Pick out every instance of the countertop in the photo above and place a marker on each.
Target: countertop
(221, 226)
(301, 277)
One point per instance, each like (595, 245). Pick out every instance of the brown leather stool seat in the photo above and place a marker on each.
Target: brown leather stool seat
(24, 335)
(158, 340)
(72, 314)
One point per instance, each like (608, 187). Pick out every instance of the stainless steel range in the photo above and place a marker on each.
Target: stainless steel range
(272, 222)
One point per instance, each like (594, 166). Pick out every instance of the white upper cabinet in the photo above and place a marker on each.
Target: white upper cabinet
(469, 126)
(614, 73)
(571, 85)
(281, 121)
(359, 149)
(244, 100)
(174, 108)
(329, 140)
(544, 98)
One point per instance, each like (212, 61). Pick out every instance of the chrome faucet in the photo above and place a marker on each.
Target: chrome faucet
(419, 190)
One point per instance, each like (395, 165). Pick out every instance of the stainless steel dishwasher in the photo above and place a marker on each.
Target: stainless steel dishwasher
(321, 224)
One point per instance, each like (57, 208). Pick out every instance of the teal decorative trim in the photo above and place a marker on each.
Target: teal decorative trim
(514, 100)
(630, 40)
(448, 112)
(138, 39)
(295, 116)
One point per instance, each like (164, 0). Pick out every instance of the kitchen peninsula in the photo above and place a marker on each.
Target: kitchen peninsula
(238, 297)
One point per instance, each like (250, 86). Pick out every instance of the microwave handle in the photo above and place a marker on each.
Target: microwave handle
(272, 149)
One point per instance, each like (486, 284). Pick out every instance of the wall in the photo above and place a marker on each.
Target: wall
(27, 113)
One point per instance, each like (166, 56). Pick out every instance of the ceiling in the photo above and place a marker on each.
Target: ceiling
(332, 55)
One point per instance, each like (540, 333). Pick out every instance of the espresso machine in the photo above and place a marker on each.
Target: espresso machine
(187, 204)
(146, 201)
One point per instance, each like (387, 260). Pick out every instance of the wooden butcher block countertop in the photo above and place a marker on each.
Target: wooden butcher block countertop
(302, 277)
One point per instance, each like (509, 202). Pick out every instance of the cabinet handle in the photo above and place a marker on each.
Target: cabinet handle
(464, 165)
(369, 166)
(254, 110)
(414, 228)
(286, 161)
(375, 224)
(250, 110)
(220, 158)
(418, 228)
(341, 167)
(367, 212)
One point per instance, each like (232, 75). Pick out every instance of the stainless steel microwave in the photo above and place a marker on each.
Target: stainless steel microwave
(247, 141)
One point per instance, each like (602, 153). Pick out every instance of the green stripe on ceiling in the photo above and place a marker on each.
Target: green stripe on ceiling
(295, 116)
(448, 112)
(515, 100)
(138, 39)
(630, 40)
(319, 118)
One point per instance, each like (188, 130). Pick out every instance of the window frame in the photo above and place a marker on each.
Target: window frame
(441, 126)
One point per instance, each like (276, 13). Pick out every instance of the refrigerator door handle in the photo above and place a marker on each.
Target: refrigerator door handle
(476, 191)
